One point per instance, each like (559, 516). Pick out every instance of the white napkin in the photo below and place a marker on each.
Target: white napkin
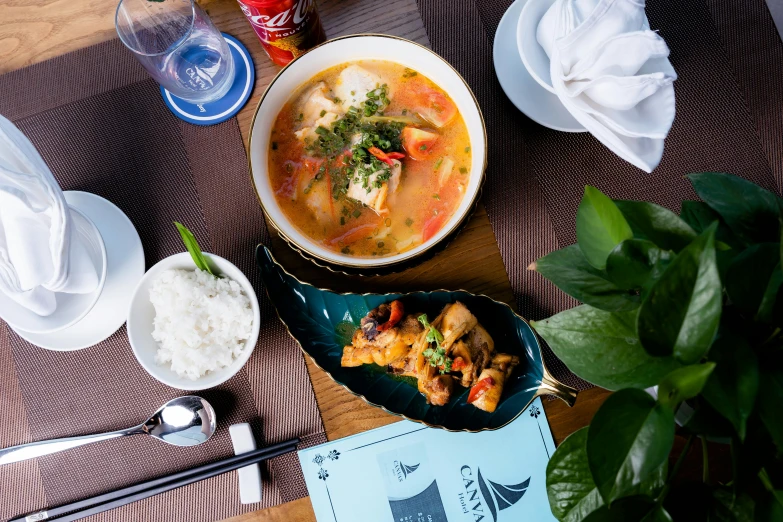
(38, 255)
(612, 73)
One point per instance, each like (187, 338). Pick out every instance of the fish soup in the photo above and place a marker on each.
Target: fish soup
(369, 158)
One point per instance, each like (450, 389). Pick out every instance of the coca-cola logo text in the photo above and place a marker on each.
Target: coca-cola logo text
(283, 21)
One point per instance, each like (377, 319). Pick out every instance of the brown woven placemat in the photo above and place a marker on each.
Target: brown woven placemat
(729, 59)
(102, 127)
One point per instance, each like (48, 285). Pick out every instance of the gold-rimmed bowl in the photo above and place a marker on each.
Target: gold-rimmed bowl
(350, 49)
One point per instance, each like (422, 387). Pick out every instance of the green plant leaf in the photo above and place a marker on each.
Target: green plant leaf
(600, 226)
(770, 509)
(636, 263)
(658, 514)
(602, 348)
(629, 509)
(753, 280)
(699, 216)
(568, 269)
(731, 389)
(569, 484)
(770, 399)
(657, 224)
(750, 211)
(683, 384)
(629, 438)
(570, 487)
(728, 507)
(681, 313)
(192, 245)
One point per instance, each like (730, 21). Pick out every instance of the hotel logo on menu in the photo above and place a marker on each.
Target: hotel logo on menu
(403, 470)
(483, 498)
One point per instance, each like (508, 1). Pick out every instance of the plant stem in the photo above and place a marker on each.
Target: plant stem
(764, 478)
(775, 333)
(675, 470)
(734, 464)
(705, 466)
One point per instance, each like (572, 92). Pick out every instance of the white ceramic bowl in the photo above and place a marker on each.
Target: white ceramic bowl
(533, 55)
(141, 315)
(336, 52)
(71, 308)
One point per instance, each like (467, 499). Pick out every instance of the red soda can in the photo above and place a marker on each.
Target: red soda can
(286, 28)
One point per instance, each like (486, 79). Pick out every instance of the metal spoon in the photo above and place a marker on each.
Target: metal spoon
(184, 421)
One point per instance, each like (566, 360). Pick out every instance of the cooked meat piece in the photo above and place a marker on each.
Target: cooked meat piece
(405, 367)
(455, 320)
(479, 336)
(437, 390)
(490, 393)
(384, 337)
(499, 371)
(474, 360)
(353, 356)
(352, 85)
(376, 196)
(317, 111)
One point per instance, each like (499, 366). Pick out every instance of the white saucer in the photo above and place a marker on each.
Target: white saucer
(125, 269)
(534, 101)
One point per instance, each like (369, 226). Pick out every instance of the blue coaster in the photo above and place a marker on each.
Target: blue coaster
(220, 110)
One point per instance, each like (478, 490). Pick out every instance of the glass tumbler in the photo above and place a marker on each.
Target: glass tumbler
(179, 46)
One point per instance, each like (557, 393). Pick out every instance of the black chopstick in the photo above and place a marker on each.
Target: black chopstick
(127, 495)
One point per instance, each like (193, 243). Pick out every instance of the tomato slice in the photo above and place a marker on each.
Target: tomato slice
(432, 225)
(418, 143)
(353, 235)
(436, 107)
(480, 388)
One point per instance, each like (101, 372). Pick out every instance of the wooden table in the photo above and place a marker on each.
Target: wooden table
(34, 30)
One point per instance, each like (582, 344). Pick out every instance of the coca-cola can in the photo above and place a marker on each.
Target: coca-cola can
(286, 28)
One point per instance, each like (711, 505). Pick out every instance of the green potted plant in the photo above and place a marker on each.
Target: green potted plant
(692, 304)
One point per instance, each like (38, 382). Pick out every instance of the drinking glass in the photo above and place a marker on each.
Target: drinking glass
(179, 46)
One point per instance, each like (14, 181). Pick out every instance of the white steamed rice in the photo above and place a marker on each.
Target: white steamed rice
(202, 322)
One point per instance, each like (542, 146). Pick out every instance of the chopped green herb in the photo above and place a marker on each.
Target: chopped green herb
(323, 113)
(408, 222)
(301, 116)
(437, 163)
(463, 170)
(435, 356)
(345, 250)
(409, 73)
(423, 147)
(337, 100)
(436, 196)
(342, 220)
(467, 149)
(353, 93)
(357, 213)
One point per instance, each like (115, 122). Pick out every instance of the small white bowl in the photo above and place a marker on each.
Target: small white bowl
(533, 55)
(71, 308)
(142, 314)
(348, 49)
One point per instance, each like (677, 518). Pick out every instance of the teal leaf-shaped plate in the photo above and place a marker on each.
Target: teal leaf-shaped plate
(322, 322)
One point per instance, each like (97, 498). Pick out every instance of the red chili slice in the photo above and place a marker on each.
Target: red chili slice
(480, 389)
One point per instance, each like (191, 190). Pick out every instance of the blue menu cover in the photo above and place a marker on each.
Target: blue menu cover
(406, 472)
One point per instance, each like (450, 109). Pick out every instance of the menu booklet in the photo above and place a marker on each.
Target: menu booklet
(406, 472)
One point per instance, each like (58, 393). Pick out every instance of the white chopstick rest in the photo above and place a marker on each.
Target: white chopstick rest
(249, 476)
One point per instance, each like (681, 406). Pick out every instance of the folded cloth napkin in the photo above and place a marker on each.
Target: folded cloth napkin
(612, 73)
(38, 255)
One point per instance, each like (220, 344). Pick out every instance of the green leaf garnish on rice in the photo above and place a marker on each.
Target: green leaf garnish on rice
(192, 245)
